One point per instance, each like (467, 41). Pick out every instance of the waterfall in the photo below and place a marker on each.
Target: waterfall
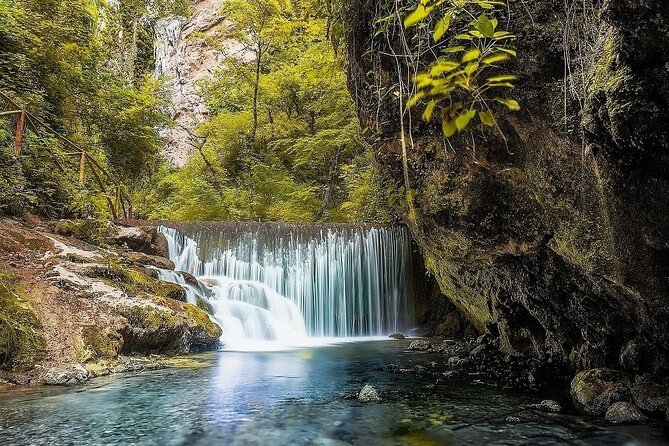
(289, 283)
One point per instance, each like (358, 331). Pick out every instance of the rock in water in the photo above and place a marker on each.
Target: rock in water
(548, 406)
(76, 374)
(368, 394)
(419, 345)
(397, 336)
(624, 412)
(595, 390)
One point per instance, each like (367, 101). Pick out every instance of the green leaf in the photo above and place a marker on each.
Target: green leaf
(509, 51)
(504, 78)
(471, 67)
(429, 110)
(487, 118)
(441, 28)
(484, 26)
(501, 84)
(454, 49)
(449, 128)
(443, 67)
(464, 37)
(471, 55)
(511, 104)
(415, 99)
(462, 121)
(418, 15)
(497, 57)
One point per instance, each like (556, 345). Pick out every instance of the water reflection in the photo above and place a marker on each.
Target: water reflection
(294, 398)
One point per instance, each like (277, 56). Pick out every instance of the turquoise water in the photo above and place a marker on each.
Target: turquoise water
(296, 398)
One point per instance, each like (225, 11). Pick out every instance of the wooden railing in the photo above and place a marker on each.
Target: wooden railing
(114, 192)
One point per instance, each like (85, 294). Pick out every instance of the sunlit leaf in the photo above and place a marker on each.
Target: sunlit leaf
(462, 121)
(449, 128)
(471, 55)
(487, 118)
(511, 104)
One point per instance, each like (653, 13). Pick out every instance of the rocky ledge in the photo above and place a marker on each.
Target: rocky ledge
(71, 310)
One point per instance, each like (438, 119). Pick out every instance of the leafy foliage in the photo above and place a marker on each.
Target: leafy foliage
(283, 141)
(60, 60)
(464, 81)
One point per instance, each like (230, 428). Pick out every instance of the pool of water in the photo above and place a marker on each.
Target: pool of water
(296, 398)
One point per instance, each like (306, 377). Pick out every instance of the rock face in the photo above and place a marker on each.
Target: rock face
(72, 311)
(185, 60)
(555, 239)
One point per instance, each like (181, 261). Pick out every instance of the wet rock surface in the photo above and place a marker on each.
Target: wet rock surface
(368, 394)
(595, 390)
(624, 412)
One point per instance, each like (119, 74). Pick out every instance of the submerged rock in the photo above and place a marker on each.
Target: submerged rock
(397, 336)
(595, 390)
(419, 345)
(624, 412)
(368, 394)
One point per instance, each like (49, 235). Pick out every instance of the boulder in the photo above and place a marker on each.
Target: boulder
(624, 412)
(650, 395)
(132, 237)
(596, 389)
(73, 375)
(397, 336)
(368, 394)
(420, 345)
(140, 258)
(159, 245)
(548, 406)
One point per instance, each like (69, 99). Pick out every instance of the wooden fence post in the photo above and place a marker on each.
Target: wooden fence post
(20, 126)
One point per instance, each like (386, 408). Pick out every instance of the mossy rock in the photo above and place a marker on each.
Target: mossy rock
(204, 305)
(452, 326)
(136, 282)
(100, 343)
(205, 333)
(153, 329)
(22, 344)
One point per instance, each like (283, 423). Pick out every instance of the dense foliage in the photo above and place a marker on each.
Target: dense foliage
(74, 65)
(283, 141)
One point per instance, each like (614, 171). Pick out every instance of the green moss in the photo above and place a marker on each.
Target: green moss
(135, 282)
(204, 305)
(210, 332)
(21, 340)
(607, 76)
(99, 343)
(149, 317)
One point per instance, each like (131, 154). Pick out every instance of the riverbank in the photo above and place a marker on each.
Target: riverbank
(73, 310)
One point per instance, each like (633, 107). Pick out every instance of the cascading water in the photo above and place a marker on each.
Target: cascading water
(289, 283)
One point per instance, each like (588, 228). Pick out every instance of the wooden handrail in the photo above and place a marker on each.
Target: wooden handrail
(84, 156)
